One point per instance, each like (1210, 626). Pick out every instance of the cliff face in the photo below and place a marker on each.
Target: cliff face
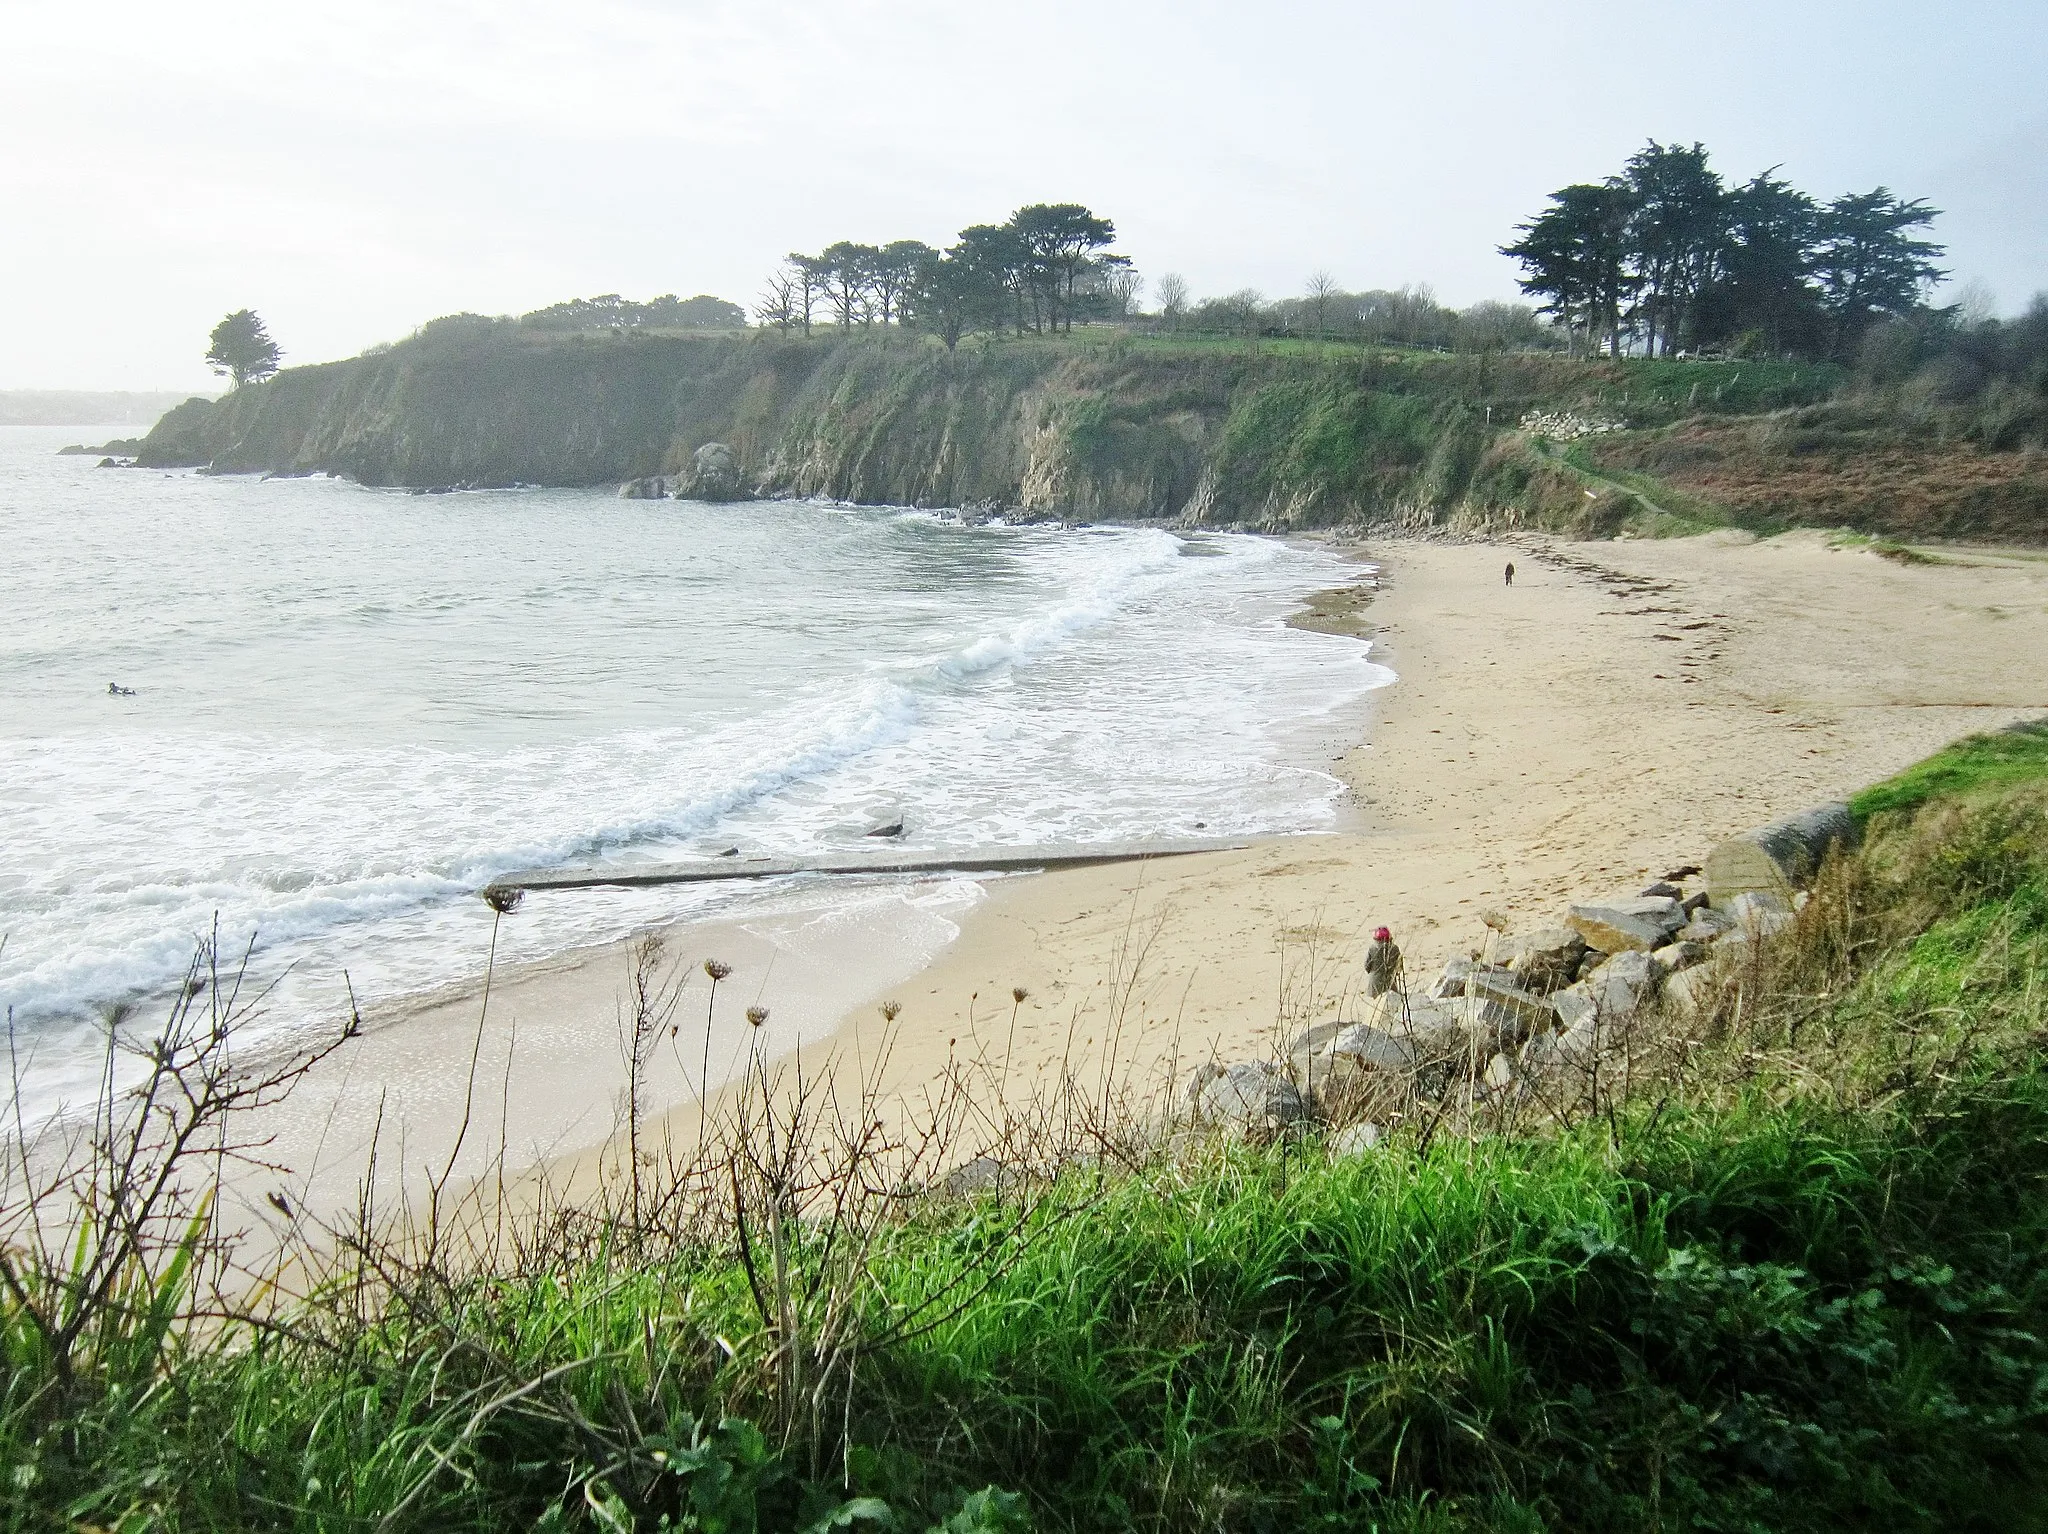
(1217, 434)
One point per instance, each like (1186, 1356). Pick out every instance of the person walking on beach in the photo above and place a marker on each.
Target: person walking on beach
(1382, 963)
(1511, 572)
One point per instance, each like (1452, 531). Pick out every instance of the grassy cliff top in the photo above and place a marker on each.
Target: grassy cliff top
(1270, 434)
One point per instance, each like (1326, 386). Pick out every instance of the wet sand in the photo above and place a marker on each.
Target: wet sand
(1612, 714)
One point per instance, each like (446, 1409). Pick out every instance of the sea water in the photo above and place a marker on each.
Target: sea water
(353, 707)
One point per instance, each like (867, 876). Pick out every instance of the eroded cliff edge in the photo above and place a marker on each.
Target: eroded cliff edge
(1216, 435)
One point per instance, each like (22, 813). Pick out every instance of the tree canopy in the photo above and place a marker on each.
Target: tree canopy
(241, 349)
(1666, 255)
(1047, 266)
(609, 311)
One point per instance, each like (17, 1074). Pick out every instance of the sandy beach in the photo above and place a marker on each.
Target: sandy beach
(1611, 714)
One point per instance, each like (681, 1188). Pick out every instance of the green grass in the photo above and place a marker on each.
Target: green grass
(1969, 767)
(1803, 1287)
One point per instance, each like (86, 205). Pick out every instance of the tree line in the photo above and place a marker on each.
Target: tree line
(1035, 274)
(1667, 255)
(1406, 316)
(667, 312)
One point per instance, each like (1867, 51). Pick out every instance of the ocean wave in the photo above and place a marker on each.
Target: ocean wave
(130, 839)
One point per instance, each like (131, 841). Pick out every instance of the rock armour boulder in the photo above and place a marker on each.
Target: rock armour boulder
(1640, 923)
(1547, 959)
(1250, 1093)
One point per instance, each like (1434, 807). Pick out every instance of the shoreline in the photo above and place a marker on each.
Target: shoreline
(1615, 712)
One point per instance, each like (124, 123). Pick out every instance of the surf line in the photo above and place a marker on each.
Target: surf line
(994, 860)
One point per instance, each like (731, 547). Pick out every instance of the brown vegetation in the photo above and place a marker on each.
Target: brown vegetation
(1810, 467)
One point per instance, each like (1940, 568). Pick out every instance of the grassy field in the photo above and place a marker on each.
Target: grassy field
(1793, 1278)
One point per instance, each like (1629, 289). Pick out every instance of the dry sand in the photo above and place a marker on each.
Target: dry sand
(1612, 714)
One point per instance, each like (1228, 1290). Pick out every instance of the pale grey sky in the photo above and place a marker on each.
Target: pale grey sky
(351, 169)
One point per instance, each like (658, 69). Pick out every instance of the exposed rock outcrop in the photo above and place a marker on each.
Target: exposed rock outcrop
(713, 475)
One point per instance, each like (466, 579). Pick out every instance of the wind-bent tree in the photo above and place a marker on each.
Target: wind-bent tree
(894, 269)
(797, 288)
(1063, 239)
(1764, 299)
(1575, 253)
(1048, 264)
(1668, 255)
(954, 294)
(1675, 221)
(1870, 265)
(849, 274)
(241, 348)
(997, 251)
(777, 304)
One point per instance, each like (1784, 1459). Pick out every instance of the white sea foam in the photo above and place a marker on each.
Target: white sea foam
(376, 704)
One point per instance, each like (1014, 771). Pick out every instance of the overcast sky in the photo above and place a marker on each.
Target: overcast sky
(350, 170)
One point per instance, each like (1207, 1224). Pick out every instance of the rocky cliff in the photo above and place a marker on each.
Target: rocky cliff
(1126, 429)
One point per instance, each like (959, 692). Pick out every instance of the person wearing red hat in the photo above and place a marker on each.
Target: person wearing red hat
(1382, 963)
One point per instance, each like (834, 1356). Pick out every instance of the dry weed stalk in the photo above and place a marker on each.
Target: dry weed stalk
(111, 1232)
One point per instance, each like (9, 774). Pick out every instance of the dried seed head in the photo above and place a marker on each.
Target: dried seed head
(717, 969)
(1018, 993)
(1495, 920)
(757, 1015)
(504, 899)
(890, 1009)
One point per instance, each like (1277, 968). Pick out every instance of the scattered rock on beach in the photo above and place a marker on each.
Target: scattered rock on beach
(1556, 1000)
(1451, 983)
(1678, 955)
(1311, 1040)
(1706, 925)
(1687, 993)
(1574, 1006)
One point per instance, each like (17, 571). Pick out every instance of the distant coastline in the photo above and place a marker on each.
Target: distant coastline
(89, 407)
